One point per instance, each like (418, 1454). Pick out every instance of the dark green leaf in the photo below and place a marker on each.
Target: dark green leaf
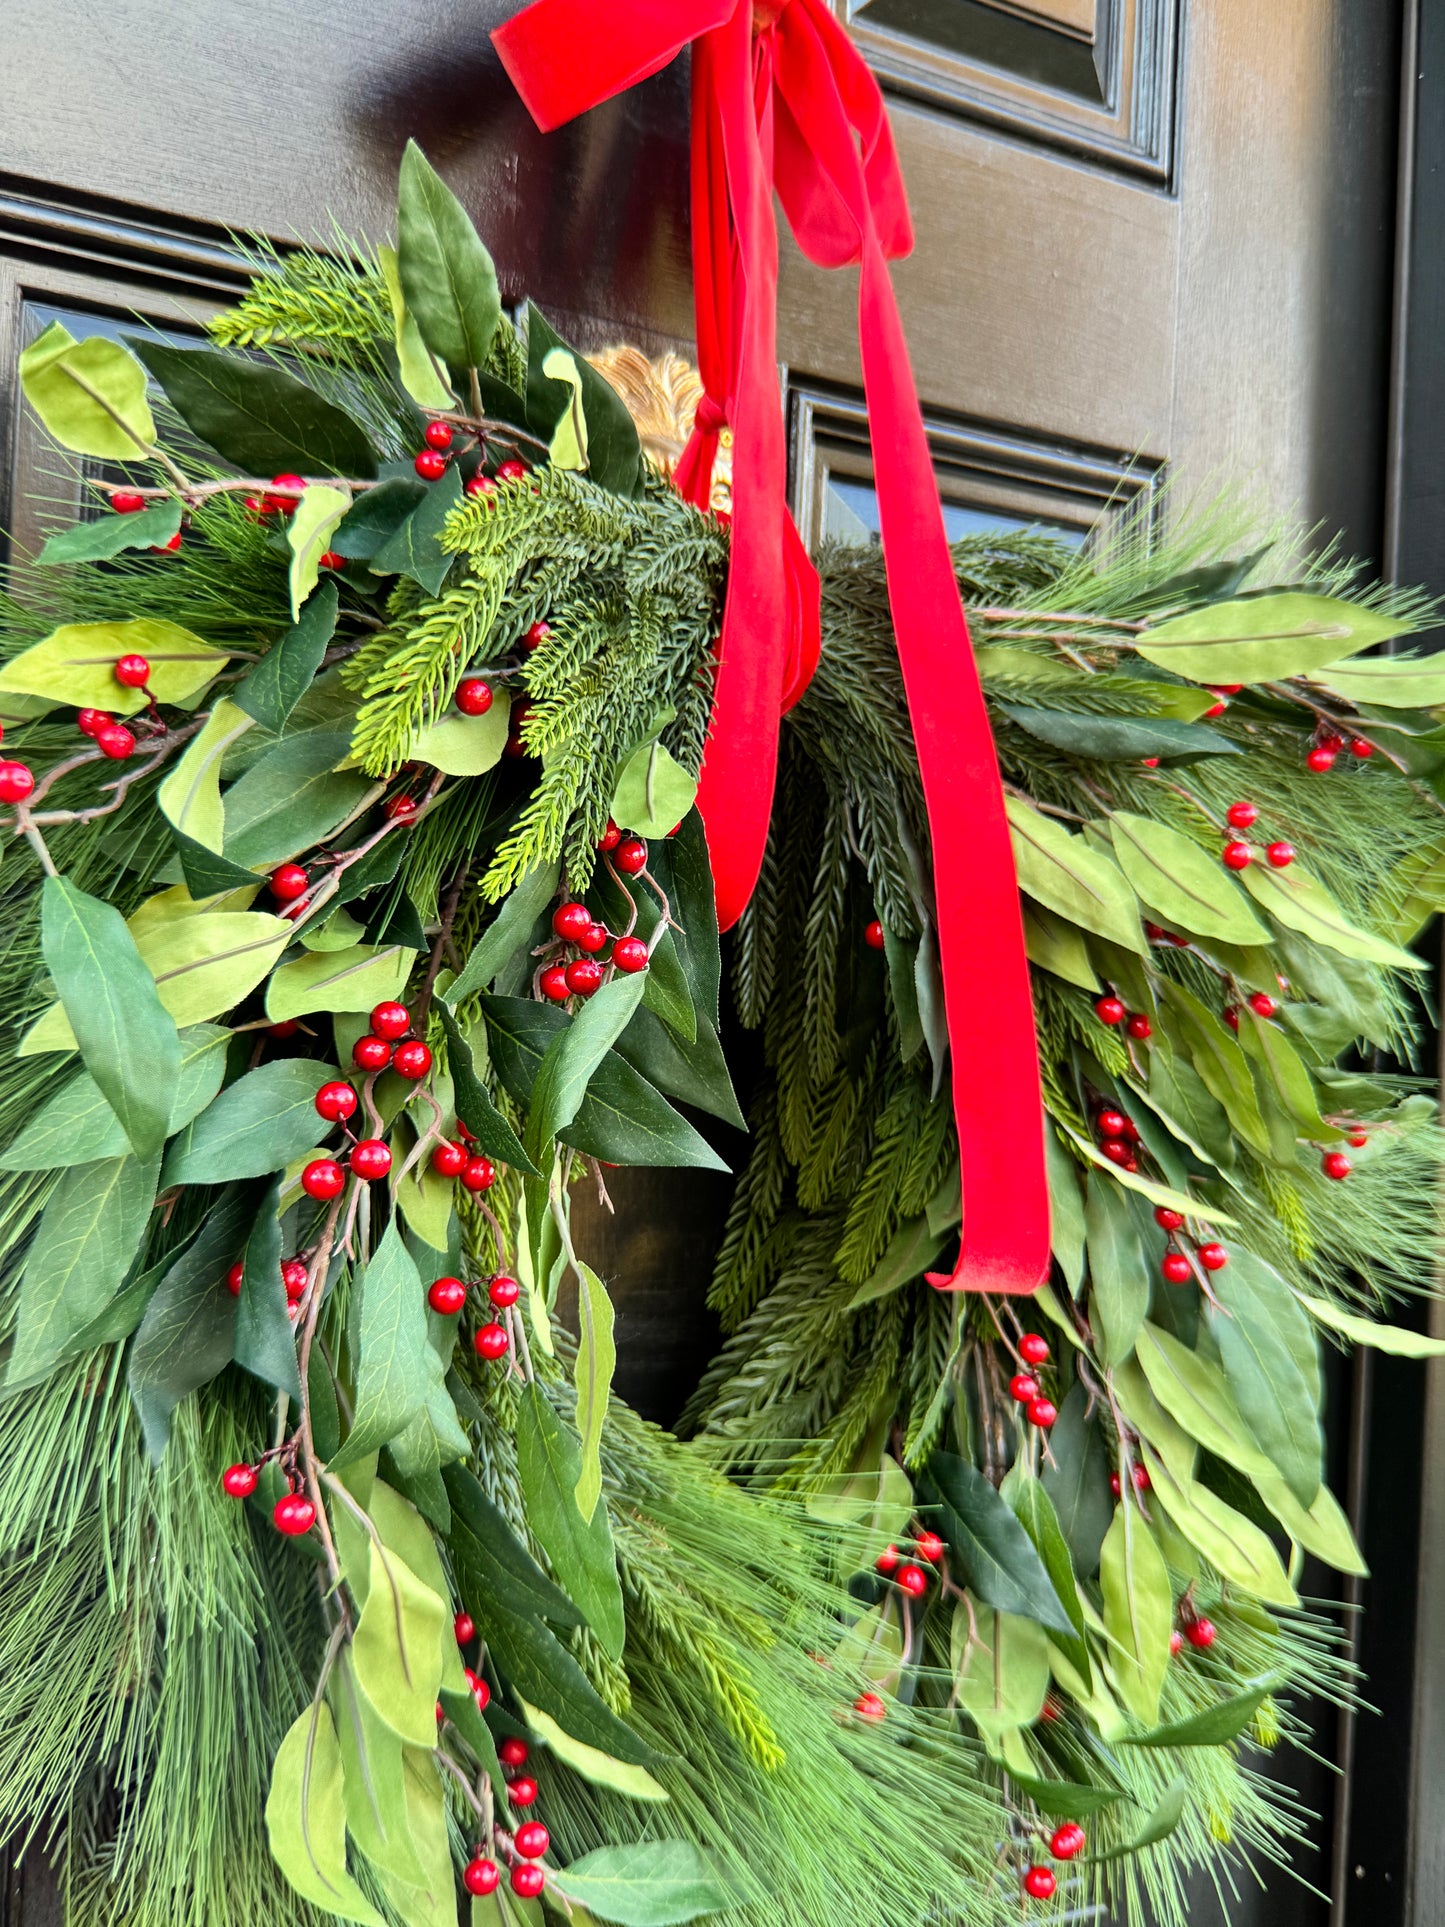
(290, 798)
(486, 1539)
(474, 1102)
(614, 454)
(996, 1556)
(549, 1464)
(325, 1412)
(1271, 1359)
(414, 550)
(265, 1336)
(256, 1126)
(376, 515)
(680, 864)
(1161, 1821)
(665, 990)
(572, 1058)
(88, 1237)
(1078, 1482)
(1118, 1277)
(110, 534)
(1034, 1510)
(538, 1667)
(508, 930)
(77, 1126)
(379, 866)
(1120, 739)
(1066, 1799)
(127, 1038)
(206, 873)
(284, 674)
(447, 276)
(259, 418)
(697, 1075)
(188, 1334)
(1215, 1726)
(650, 1883)
(391, 1371)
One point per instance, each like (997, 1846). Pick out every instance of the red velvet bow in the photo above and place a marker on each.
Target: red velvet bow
(783, 102)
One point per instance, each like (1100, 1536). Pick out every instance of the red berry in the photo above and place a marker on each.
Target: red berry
(1241, 815)
(370, 1159)
(1237, 855)
(630, 856)
(430, 464)
(1142, 1481)
(323, 1178)
(1335, 1164)
(240, 1481)
(1359, 1139)
(539, 631)
(553, 983)
(532, 1840)
(1225, 688)
(871, 1706)
(481, 485)
(294, 485)
(287, 1027)
(570, 920)
(446, 1295)
(1213, 1257)
(913, 1580)
(167, 548)
(1262, 1004)
(1150, 762)
(1111, 1124)
(1116, 1151)
(1200, 1633)
(294, 1514)
(1041, 1412)
(1139, 1026)
(887, 1560)
(16, 782)
(288, 883)
(1176, 1642)
(447, 1160)
(873, 935)
(584, 975)
(1231, 1016)
(412, 1059)
(1176, 1268)
(335, 1101)
(1360, 748)
(399, 809)
(611, 836)
(1153, 931)
(1320, 760)
(504, 1291)
(1023, 1386)
(295, 1276)
(1167, 1218)
(125, 501)
(332, 560)
(1068, 1840)
(370, 1053)
(1116, 1484)
(1109, 1010)
(511, 470)
(491, 1340)
(1216, 709)
(91, 720)
(438, 435)
(115, 741)
(1034, 1349)
(929, 1546)
(513, 1752)
(132, 672)
(473, 697)
(234, 1277)
(522, 1791)
(479, 1174)
(1039, 1883)
(1279, 856)
(481, 1692)
(390, 1020)
(527, 1879)
(629, 954)
(481, 1876)
(592, 939)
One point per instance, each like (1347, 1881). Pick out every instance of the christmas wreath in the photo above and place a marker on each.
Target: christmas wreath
(357, 909)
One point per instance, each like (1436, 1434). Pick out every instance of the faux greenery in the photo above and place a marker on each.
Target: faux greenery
(864, 1644)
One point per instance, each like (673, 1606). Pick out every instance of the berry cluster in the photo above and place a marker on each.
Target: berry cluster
(1111, 1010)
(522, 1850)
(1177, 1265)
(293, 1513)
(1193, 1629)
(1118, 1137)
(295, 1274)
(1327, 745)
(1024, 1386)
(1065, 1843)
(448, 1295)
(575, 927)
(1238, 854)
(908, 1575)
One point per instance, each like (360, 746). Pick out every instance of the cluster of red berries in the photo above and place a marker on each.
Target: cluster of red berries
(448, 1295)
(128, 501)
(1065, 1843)
(908, 1575)
(1237, 854)
(1176, 1266)
(1259, 1001)
(1111, 1010)
(112, 739)
(1025, 1388)
(387, 1046)
(584, 974)
(432, 461)
(1327, 745)
(528, 1844)
(1118, 1137)
(1138, 1478)
(292, 1514)
(456, 1159)
(294, 1276)
(1193, 1629)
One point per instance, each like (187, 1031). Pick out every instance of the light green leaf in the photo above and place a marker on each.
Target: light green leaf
(126, 1037)
(1056, 946)
(397, 1647)
(77, 1126)
(402, 1529)
(1216, 1725)
(190, 797)
(1236, 1547)
(256, 1127)
(652, 1883)
(1066, 876)
(313, 522)
(284, 674)
(1177, 881)
(447, 276)
(1034, 1510)
(910, 1252)
(392, 1337)
(1218, 1059)
(549, 1464)
(1301, 902)
(463, 745)
(1264, 638)
(1001, 1675)
(373, 1763)
(111, 535)
(306, 1819)
(635, 1782)
(1066, 1210)
(1387, 682)
(1119, 1279)
(88, 1237)
(338, 930)
(339, 980)
(1268, 1349)
(596, 1362)
(90, 394)
(654, 792)
(1138, 1611)
(568, 447)
(1394, 1339)
(75, 664)
(422, 379)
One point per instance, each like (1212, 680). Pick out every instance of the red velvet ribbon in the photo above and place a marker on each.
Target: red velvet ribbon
(783, 102)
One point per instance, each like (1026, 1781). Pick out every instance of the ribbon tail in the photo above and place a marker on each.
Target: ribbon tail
(1005, 1244)
(564, 56)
